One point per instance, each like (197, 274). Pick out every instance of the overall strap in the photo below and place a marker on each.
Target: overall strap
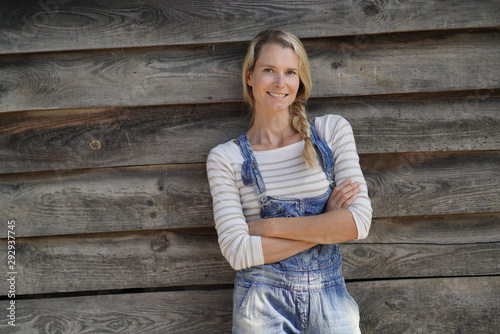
(250, 173)
(324, 152)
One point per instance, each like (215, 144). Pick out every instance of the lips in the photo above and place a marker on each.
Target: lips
(277, 94)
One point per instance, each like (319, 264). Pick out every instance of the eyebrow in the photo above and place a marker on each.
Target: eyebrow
(267, 65)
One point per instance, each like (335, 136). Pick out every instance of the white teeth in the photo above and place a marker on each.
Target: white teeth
(277, 95)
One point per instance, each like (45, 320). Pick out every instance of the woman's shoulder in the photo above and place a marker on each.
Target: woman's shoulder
(228, 151)
(329, 125)
(329, 119)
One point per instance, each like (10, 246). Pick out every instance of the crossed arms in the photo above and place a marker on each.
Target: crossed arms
(285, 237)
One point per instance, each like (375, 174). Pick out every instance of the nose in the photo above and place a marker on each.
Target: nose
(279, 80)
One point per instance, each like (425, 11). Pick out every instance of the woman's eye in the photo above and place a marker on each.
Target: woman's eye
(291, 72)
(268, 70)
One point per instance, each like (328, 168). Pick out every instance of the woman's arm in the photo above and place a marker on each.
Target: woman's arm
(279, 248)
(334, 226)
(340, 138)
(327, 228)
(240, 249)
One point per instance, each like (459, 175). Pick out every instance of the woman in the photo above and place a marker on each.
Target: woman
(278, 215)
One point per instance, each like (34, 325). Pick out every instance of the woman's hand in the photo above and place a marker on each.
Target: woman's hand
(343, 195)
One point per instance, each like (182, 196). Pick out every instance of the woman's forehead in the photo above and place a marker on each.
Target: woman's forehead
(274, 54)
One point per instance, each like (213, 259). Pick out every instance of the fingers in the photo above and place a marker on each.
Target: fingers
(343, 195)
(352, 196)
(345, 190)
(344, 198)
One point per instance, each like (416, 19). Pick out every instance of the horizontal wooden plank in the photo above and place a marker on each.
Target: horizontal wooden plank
(439, 229)
(164, 258)
(61, 139)
(343, 66)
(377, 261)
(155, 197)
(442, 305)
(404, 63)
(427, 183)
(27, 26)
(444, 121)
(117, 261)
(160, 312)
(438, 305)
(136, 198)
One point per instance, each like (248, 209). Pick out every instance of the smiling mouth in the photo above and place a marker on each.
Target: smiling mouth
(277, 94)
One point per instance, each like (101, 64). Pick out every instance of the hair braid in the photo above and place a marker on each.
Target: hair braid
(301, 124)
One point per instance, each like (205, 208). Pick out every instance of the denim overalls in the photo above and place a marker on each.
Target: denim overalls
(304, 293)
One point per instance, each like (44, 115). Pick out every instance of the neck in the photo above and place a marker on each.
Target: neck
(272, 131)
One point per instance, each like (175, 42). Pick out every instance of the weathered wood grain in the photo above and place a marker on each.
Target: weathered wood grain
(58, 140)
(138, 198)
(343, 66)
(47, 25)
(61, 139)
(162, 258)
(439, 229)
(378, 261)
(160, 312)
(443, 121)
(438, 305)
(133, 198)
(404, 63)
(409, 184)
(120, 260)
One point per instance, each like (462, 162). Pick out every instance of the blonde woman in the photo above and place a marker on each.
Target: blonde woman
(285, 194)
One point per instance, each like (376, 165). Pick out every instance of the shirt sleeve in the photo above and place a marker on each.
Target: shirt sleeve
(340, 138)
(239, 248)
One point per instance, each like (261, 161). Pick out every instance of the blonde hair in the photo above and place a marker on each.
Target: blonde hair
(297, 108)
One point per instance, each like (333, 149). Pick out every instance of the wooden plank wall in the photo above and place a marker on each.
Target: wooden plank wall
(109, 109)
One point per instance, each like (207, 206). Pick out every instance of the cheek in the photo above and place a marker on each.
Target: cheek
(259, 81)
(295, 85)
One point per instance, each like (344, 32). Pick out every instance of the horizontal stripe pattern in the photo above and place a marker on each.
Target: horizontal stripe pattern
(285, 174)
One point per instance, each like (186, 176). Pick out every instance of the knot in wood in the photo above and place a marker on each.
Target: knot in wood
(159, 244)
(362, 252)
(95, 145)
(336, 65)
(371, 10)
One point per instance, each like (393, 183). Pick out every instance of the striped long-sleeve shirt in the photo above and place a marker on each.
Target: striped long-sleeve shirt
(285, 174)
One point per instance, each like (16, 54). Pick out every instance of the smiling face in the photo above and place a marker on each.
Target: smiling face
(275, 78)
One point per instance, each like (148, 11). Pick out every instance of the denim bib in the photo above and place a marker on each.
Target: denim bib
(320, 256)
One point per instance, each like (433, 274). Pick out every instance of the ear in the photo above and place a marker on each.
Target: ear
(249, 78)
